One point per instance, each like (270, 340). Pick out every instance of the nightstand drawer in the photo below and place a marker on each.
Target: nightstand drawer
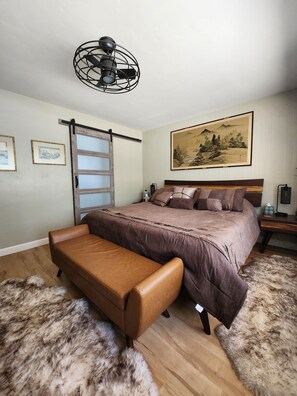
(289, 228)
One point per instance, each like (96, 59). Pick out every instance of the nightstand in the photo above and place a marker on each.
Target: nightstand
(285, 225)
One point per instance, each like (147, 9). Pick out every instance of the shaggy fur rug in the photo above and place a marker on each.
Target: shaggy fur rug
(262, 341)
(52, 346)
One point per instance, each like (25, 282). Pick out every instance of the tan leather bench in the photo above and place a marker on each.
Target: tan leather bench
(129, 289)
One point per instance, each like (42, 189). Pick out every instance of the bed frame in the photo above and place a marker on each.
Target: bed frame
(254, 190)
(254, 187)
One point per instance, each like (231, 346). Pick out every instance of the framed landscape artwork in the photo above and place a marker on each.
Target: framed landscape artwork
(7, 153)
(221, 143)
(47, 153)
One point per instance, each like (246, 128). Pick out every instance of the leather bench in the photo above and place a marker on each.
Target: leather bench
(131, 290)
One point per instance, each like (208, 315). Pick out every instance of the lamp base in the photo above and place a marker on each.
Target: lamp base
(281, 214)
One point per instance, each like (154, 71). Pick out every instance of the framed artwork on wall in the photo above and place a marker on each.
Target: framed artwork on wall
(221, 143)
(48, 153)
(7, 153)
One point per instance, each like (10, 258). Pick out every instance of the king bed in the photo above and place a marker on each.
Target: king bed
(213, 238)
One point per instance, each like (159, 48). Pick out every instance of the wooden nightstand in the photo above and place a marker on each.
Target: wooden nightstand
(285, 225)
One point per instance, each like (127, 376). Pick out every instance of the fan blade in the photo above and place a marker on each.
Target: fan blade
(126, 73)
(93, 59)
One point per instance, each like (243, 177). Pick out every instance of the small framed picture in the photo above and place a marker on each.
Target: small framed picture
(47, 153)
(7, 153)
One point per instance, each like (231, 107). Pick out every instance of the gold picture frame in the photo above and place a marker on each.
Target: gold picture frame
(7, 153)
(48, 153)
(225, 142)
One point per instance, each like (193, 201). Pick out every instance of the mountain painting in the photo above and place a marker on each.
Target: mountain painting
(220, 143)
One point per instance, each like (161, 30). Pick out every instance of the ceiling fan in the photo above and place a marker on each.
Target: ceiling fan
(106, 66)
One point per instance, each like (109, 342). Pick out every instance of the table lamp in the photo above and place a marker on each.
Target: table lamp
(285, 198)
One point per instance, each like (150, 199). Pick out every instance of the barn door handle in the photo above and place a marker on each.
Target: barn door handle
(76, 181)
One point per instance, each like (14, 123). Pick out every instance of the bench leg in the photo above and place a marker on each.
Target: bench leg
(205, 321)
(59, 273)
(129, 342)
(166, 314)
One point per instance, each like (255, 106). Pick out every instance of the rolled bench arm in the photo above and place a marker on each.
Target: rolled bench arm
(66, 233)
(152, 296)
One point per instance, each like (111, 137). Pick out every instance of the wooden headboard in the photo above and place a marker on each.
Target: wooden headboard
(254, 187)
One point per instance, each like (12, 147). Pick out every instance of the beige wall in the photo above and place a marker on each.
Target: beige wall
(274, 156)
(38, 198)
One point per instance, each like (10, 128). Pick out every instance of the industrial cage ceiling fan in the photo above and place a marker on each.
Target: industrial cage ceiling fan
(106, 66)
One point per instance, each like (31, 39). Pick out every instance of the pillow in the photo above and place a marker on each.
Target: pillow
(196, 196)
(183, 192)
(160, 190)
(209, 193)
(234, 199)
(162, 198)
(210, 199)
(212, 204)
(181, 203)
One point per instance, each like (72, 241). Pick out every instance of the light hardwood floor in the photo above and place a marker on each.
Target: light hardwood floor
(183, 359)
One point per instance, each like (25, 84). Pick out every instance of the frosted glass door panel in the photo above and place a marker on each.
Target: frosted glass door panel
(92, 144)
(92, 163)
(94, 181)
(96, 199)
(92, 170)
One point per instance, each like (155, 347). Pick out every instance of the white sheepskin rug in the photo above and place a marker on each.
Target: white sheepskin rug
(52, 346)
(262, 341)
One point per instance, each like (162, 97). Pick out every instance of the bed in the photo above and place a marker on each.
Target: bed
(213, 245)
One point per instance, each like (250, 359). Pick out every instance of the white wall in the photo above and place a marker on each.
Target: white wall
(38, 198)
(274, 156)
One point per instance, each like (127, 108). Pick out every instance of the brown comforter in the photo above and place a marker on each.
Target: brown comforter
(212, 245)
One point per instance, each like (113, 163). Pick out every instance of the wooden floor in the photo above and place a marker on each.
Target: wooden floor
(183, 359)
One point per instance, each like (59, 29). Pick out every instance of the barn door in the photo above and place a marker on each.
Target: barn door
(92, 170)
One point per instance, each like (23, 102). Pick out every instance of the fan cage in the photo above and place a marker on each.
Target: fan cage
(90, 74)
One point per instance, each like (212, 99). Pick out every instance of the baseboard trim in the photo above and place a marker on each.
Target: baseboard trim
(23, 246)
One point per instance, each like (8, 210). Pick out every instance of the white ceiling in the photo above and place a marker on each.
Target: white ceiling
(195, 56)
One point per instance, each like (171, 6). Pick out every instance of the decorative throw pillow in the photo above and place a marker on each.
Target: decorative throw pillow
(181, 203)
(234, 199)
(160, 190)
(183, 192)
(163, 198)
(212, 204)
(196, 196)
(210, 199)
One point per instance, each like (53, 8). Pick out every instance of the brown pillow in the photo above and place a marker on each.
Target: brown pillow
(210, 199)
(209, 193)
(162, 198)
(234, 199)
(160, 190)
(183, 192)
(181, 203)
(212, 204)
(196, 196)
